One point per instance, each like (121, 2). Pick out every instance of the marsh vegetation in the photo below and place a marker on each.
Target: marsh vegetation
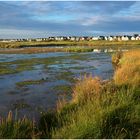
(65, 46)
(97, 109)
(33, 83)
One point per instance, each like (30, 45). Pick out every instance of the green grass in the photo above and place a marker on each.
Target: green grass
(11, 128)
(30, 82)
(25, 64)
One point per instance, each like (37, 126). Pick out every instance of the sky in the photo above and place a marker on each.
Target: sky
(36, 19)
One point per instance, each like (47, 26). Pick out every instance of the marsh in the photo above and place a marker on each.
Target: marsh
(33, 83)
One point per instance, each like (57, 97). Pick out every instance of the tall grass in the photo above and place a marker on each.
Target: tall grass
(11, 128)
(87, 89)
(106, 110)
(129, 69)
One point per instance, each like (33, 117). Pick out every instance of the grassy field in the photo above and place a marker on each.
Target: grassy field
(74, 46)
(98, 109)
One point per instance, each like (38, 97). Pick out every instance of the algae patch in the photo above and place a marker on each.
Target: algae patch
(30, 82)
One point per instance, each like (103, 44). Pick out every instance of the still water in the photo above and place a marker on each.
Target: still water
(57, 72)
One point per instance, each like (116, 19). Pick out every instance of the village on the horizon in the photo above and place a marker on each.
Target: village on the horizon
(78, 38)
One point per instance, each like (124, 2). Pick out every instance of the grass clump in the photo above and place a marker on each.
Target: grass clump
(30, 82)
(79, 49)
(87, 89)
(11, 128)
(116, 57)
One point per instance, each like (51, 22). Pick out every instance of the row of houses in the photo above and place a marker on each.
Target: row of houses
(77, 38)
(94, 38)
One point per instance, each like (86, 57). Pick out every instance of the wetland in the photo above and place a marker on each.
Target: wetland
(31, 84)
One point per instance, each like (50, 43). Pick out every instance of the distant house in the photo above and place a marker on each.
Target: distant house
(133, 38)
(138, 37)
(39, 39)
(111, 38)
(82, 38)
(95, 38)
(77, 38)
(68, 37)
(106, 37)
(117, 38)
(59, 38)
(73, 38)
(86, 38)
(126, 38)
(101, 38)
(51, 38)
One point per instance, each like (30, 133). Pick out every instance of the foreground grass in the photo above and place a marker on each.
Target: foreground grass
(98, 109)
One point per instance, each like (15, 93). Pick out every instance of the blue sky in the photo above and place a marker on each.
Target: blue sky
(27, 19)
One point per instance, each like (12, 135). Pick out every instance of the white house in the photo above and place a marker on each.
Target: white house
(110, 38)
(82, 38)
(133, 38)
(95, 38)
(125, 38)
(119, 38)
(106, 37)
(39, 39)
(138, 38)
(73, 38)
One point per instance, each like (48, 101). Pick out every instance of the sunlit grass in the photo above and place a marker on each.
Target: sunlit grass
(129, 69)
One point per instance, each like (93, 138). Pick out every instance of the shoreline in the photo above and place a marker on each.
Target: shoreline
(32, 50)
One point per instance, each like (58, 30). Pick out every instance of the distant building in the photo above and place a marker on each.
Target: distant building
(133, 38)
(73, 38)
(101, 38)
(111, 38)
(51, 38)
(95, 38)
(126, 38)
(138, 37)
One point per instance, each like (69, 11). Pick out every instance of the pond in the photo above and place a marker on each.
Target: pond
(33, 83)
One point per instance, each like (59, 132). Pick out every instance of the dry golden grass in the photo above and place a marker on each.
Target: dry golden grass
(87, 89)
(129, 73)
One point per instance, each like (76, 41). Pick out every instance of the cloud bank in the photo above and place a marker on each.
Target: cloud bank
(25, 19)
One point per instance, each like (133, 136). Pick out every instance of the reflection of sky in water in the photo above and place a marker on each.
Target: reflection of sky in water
(43, 95)
(13, 57)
